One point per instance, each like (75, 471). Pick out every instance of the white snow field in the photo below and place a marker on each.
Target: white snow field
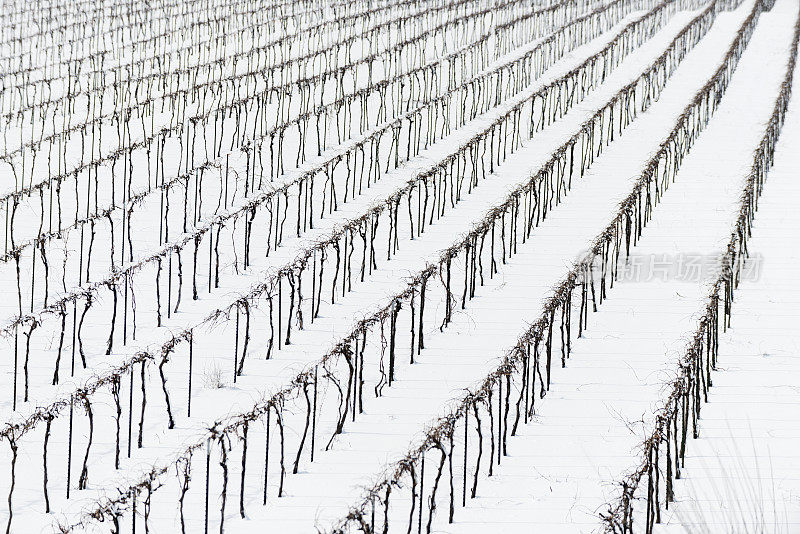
(439, 266)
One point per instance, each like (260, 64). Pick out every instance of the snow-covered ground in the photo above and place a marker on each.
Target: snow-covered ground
(197, 337)
(742, 473)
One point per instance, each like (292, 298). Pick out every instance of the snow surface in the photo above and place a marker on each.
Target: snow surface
(563, 467)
